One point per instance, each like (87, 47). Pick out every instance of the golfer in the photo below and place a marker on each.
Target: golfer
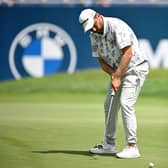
(116, 47)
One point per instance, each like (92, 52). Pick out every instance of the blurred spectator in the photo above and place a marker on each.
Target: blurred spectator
(68, 2)
(88, 2)
(105, 3)
(7, 2)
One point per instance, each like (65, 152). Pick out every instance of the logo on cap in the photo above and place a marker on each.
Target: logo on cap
(42, 49)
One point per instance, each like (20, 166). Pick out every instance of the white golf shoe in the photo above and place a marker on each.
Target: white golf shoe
(104, 149)
(129, 152)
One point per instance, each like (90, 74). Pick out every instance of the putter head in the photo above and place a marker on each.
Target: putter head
(112, 92)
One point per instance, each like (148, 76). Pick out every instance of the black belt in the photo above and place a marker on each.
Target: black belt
(142, 63)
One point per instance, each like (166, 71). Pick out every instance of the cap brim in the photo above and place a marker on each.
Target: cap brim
(88, 25)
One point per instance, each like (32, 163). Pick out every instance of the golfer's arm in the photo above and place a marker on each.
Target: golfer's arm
(125, 60)
(107, 68)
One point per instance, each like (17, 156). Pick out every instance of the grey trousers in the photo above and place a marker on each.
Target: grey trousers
(125, 99)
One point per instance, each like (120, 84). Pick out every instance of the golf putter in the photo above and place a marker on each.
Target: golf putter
(110, 106)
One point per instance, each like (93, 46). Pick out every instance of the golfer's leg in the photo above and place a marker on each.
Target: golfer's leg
(129, 95)
(128, 99)
(111, 125)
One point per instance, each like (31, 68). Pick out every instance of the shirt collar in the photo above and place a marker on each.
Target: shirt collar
(105, 26)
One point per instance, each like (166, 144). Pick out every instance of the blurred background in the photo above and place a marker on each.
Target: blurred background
(44, 37)
(104, 3)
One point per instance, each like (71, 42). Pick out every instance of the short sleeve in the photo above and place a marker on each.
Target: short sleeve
(122, 36)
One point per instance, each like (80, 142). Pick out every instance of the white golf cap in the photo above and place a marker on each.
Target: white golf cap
(86, 19)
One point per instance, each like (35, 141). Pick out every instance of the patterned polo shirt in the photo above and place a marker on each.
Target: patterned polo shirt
(117, 35)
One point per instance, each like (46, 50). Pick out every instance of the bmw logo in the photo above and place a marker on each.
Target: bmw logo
(42, 49)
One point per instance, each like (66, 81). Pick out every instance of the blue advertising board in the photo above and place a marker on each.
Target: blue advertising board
(41, 40)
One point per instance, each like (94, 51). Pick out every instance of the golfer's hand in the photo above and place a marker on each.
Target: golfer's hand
(116, 81)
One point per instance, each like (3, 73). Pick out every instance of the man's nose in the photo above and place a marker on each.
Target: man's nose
(94, 29)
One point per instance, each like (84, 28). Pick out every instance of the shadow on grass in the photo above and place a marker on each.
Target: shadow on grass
(71, 152)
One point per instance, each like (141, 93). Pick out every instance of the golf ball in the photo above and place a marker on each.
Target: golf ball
(151, 165)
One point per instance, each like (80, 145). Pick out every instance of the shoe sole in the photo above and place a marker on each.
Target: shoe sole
(128, 157)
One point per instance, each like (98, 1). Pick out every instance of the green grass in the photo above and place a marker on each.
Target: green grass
(93, 81)
(52, 122)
